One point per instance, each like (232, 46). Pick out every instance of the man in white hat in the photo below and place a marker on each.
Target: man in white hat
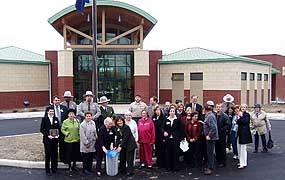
(228, 102)
(106, 111)
(88, 106)
(68, 102)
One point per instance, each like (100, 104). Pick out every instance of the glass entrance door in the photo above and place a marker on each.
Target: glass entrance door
(115, 75)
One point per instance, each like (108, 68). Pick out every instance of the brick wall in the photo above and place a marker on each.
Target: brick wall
(52, 56)
(165, 95)
(15, 100)
(65, 84)
(217, 95)
(154, 56)
(187, 96)
(277, 62)
(142, 87)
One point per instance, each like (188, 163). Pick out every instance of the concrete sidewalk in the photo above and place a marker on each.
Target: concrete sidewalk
(119, 109)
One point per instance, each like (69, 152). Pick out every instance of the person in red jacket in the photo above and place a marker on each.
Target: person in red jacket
(193, 132)
(146, 131)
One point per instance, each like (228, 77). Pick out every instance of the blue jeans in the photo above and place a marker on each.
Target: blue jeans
(234, 142)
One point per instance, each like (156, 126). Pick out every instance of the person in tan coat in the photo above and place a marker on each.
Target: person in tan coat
(259, 124)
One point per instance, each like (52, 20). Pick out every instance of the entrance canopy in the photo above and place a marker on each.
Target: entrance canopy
(117, 15)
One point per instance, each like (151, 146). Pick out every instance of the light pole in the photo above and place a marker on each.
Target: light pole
(94, 52)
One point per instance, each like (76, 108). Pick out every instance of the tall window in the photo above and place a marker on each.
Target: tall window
(243, 76)
(265, 77)
(252, 76)
(196, 76)
(259, 76)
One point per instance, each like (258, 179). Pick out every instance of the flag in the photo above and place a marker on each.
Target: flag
(79, 5)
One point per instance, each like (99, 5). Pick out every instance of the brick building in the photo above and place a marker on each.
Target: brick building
(278, 75)
(124, 67)
(211, 75)
(23, 76)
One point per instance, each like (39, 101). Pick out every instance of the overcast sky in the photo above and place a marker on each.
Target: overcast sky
(239, 27)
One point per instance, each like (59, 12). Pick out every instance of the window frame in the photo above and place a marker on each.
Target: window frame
(197, 74)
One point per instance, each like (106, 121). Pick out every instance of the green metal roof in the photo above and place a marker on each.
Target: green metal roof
(275, 71)
(17, 55)
(201, 55)
(104, 3)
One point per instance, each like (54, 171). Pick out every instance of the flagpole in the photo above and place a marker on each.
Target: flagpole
(94, 52)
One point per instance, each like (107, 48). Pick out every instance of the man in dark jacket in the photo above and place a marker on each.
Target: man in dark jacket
(106, 111)
(223, 126)
(195, 106)
(50, 129)
(211, 133)
(60, 112)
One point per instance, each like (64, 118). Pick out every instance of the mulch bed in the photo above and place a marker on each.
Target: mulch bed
(26, 147)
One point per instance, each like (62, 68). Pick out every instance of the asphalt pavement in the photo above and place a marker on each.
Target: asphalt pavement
(10, 127)
(261, 166)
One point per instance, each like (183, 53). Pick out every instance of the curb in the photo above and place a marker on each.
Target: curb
(21, 115)
(41, 164)
(276, 116)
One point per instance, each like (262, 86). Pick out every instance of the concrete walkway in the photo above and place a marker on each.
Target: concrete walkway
(119, 109)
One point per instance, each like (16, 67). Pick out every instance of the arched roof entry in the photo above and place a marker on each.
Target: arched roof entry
(125, 19)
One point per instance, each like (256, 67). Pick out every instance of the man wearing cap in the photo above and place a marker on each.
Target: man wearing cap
(88, 106)
(259, 124)
(68, 103)
(106, 111)
(137, 107)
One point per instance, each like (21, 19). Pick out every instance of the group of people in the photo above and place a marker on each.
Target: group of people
(84, 130)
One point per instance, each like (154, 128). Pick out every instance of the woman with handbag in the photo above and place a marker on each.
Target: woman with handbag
(259, 124)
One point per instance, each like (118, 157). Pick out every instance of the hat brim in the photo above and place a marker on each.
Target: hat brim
(88, 95)
(67, 96)
(228, 99)
(100, 102)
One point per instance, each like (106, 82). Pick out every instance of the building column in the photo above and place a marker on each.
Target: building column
(65, 71)
(141, 74)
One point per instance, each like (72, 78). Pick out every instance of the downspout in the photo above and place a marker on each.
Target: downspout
(158, 81)
(49, 81)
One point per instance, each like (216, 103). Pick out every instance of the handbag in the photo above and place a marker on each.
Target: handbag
(270, 143)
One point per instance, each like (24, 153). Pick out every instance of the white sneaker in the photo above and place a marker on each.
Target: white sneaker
(235, 157)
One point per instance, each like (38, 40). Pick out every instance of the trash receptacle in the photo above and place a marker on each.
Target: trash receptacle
(112, 164)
